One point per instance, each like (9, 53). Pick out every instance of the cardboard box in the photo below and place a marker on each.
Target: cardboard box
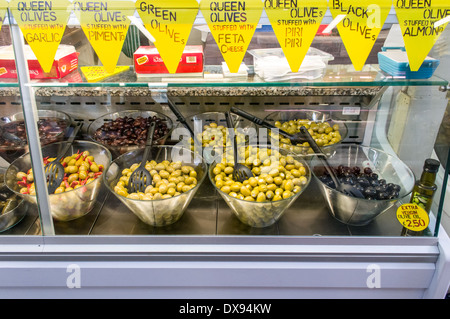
(66, 61)
(148, 62)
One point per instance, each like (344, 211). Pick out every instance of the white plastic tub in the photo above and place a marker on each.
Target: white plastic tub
(271, 65)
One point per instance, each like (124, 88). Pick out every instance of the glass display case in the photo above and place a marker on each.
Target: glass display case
(94, 75)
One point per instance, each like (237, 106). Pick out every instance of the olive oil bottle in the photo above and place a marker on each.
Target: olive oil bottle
(423, 191)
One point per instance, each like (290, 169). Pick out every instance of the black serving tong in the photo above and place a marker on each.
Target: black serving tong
(182, 120)
(296, 138)
(240, 171)
(301, 137)
(342, 187)
(141, 178)
(54, 171)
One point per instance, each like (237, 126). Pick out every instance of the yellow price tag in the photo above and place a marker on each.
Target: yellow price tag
(295, 24)
(43, 24)
(420, 22)
(232, 24)
(413, 217)
(170, 23)
(105, 24)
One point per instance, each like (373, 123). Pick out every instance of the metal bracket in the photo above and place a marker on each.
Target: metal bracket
(443, 88)
(158, 92)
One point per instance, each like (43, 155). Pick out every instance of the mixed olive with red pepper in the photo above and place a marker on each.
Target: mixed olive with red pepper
(79, 169)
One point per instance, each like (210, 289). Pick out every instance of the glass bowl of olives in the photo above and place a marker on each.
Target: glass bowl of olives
(326, 132)
(260, 201)
(211, 130)
(12, 208)
(125, 131)
(83, 164)
(52, 127)
(177, 174)
(382, 179)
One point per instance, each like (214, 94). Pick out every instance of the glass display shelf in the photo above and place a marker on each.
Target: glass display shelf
(209, 215)
(9, 84)
(335, 76)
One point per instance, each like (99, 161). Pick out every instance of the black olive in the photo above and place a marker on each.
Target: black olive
(349, 180)
(374, 182)
(360, 188)
(363, 182)
(382, 196)
(370, 192)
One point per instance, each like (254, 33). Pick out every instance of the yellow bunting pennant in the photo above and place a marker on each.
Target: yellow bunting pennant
(3, 7)
(170, 23)
(295, 24)
(105, 24)
(232, 24)
(43, 24)
(421, 27)
(360, 26)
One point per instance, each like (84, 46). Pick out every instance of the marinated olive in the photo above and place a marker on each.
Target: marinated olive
(276, 176)
(214, 135)
(50, 129)
(169, 179)
(322, 132)
(125, 131)
(79, 169)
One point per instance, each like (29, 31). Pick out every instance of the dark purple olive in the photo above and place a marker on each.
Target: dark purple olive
(131, 131)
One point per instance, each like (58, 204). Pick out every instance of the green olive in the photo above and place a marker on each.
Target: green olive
(72, 178)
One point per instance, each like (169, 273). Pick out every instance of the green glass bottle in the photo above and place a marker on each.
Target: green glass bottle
(423, 191)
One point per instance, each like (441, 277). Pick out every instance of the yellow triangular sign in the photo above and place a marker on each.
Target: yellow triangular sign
(420, 32)
(46, 30)
(3, 7)
(105, 24)
(360, 24)
(295, 24)
(170, 23)
(232, 24)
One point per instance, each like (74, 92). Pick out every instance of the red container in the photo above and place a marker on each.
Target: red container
(66, 61)
(148, 61)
